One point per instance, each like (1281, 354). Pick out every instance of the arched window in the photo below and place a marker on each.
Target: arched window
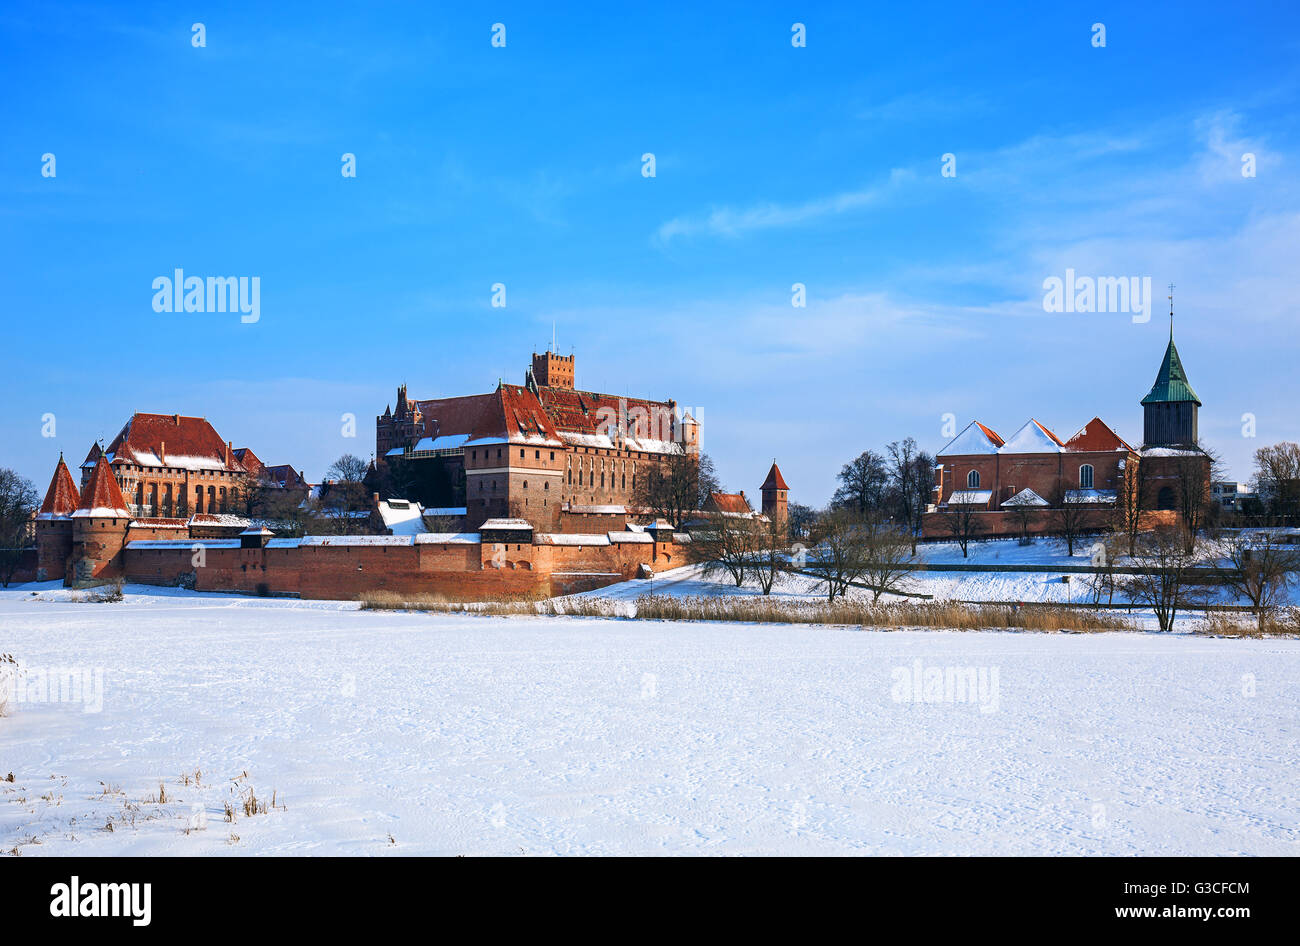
(973, 479)
(1165, 498)
(1085, 476)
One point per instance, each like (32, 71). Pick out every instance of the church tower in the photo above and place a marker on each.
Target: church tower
(1169, 410)
(775, 494)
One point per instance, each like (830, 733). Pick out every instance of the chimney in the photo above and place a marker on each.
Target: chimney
(229, 446)
(177, 419)
(162, 452)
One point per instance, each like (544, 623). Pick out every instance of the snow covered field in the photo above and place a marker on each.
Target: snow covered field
(392, 733)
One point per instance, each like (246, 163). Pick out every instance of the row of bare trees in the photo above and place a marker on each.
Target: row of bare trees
(845, 549)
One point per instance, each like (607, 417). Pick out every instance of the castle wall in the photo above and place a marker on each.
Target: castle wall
(339, 569)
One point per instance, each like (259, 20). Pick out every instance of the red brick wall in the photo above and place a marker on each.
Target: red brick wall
(458, 571)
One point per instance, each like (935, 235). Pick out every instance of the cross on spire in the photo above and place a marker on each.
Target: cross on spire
(1171, 310)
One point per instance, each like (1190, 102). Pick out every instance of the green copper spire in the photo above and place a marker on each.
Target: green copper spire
(1171, 383)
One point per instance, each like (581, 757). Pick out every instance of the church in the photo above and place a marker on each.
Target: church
(1016, 482)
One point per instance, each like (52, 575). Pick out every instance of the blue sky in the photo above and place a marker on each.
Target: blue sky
(522, 165)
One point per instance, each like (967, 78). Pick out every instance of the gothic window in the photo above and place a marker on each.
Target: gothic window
(1085, 476)
(973, 479)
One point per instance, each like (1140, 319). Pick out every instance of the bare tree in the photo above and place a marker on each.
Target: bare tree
(726, 544)
(1193, 473)
(1130, 503)
(911, 474)
(962, 522)
(18, 503)
(1260, 570)
(675, 487)
(888, 556)
(1069, 515)
(863, 482)
(1104, 582)
(769, 557)
(1163, 582)
(838, 556)
(1277, 479)
(801, 520)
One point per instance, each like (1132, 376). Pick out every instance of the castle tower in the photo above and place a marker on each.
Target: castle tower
(553, 371)
(99, 527)
(775, 493)
(54, 525)
(1169, 411)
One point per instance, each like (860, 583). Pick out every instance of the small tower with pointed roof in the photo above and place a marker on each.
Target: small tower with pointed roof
(54, 524)
(775, 495)
(1169, 411)
(99, 527)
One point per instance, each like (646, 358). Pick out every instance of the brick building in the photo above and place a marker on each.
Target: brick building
(979, 470)
(172, 466)
(543, 451)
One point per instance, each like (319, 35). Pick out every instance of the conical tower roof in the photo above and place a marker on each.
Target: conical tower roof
(102, 496)
(774, 479)
(1171, 383)
(62, 498)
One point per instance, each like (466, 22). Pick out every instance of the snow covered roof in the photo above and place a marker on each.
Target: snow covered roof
(357, 540)
(1172, 452)
(401, 517)
(573, 538)
(1104, 496)
(447, 538)
(608, 510)
(501, 525)
(1033, 437)
(970, 497)
(975, 439)
(259, 531)
(445, 510)
(1026, 497)
(145, 545)
(621, 538)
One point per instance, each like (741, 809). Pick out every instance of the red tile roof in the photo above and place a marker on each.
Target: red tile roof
(62, 496)
(102, 495)
(515, 412)
(774, 479)
(993, 434)
(1096, 437)
(170, 440)
(729, 502)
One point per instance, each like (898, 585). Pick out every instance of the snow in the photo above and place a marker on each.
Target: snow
(573, 538)
(964, 497)
(969, 442)
(146, 545)
(1031, 438)
(447, 538)
(357, 540)
(1104, 496)
(101, 511)
(423, 734)
(507, 524)
(401, 517)
(1026, 497)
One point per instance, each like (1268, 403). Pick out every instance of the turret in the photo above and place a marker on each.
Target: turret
(99, 527)
(54, 525)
